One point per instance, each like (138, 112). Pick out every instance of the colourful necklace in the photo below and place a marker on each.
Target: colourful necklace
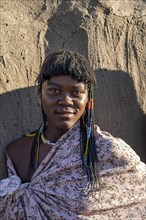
(44, 140)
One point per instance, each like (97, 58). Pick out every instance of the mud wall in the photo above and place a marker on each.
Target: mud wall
(111, 34)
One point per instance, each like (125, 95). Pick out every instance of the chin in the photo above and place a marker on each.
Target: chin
(66, 125)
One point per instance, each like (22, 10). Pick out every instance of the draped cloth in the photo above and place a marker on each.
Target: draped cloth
(58, 188)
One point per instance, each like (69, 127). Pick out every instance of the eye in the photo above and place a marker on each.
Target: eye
(78, 93)
(53, 91)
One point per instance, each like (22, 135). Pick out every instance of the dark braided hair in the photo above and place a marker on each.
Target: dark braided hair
(70, 63)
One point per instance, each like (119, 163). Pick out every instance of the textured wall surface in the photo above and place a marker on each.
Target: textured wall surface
(111, 34)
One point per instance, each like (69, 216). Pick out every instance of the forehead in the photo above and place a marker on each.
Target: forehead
(63, 81)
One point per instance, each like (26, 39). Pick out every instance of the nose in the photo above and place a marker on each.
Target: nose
(65, 100)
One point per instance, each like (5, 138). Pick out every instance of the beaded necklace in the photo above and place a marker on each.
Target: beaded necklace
(40, 138)
(44, 141)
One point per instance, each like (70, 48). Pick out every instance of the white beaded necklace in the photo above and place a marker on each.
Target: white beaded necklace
(44, 139)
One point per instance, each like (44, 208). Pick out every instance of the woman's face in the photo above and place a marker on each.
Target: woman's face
(64, 101)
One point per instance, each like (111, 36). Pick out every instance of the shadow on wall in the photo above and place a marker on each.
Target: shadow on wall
(117, 109)
(19, 114)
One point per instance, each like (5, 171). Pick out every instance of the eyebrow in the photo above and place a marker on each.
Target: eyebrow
(57, 84)
(53, 84)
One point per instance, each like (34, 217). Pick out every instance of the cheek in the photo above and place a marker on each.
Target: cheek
(45, 100)
(44, 104)
(83, 103)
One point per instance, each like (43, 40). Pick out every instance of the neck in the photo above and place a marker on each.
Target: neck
(52, 135)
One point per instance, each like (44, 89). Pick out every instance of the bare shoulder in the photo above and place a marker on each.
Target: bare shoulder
(19, 148)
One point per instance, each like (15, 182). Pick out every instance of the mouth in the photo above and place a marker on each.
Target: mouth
(65, 114)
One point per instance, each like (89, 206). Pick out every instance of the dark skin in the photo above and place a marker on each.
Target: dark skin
(20, 156)
(64, 101)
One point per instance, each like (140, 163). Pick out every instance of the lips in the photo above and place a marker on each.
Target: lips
(65, 113)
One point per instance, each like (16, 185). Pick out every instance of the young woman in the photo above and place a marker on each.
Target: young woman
(68, 168)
